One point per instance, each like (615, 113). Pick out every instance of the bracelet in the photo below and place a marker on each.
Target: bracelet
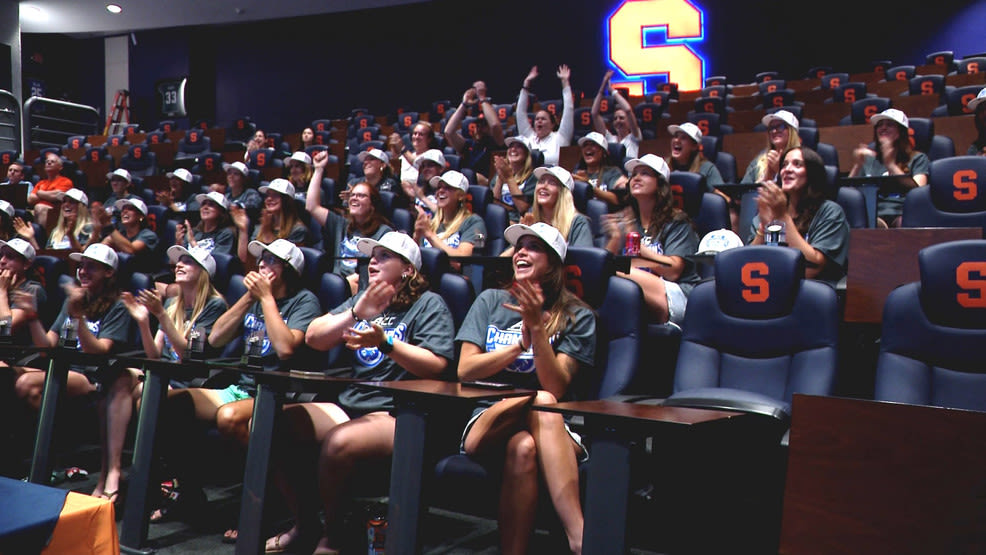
(386, 346)
(759, 233)
(352, 311)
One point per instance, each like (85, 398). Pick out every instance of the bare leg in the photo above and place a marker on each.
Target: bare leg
(303, 425)
(30, 386)
(556, 455)
(654, 295)
(518, 494)
(233, 420)
(369, 436)
(115, 414)
(495, 426)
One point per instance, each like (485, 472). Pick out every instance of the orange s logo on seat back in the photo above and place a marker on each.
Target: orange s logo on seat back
(757, 288)
(971, 279)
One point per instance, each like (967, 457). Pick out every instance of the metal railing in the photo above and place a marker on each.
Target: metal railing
(51, 122)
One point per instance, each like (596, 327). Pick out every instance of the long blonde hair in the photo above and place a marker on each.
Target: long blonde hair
(462, 212)
(565, 212)
(793, 141)
(81, 221)
(204, 291)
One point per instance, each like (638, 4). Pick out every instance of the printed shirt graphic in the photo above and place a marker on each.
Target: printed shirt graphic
(472, 226)
(499, 339)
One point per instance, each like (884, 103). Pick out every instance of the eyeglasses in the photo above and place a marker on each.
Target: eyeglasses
(270, 259)
(776, 128)
(186, 259)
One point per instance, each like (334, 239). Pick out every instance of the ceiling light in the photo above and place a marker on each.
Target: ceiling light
(113, 8)
(33, 13)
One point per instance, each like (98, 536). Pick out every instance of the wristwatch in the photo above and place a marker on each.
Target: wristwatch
(386, 346)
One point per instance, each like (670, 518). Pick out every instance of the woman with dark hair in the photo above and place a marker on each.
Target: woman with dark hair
(978, 106)
(20, 297)
(94, 310)
(686, 155)
(542, 135)
(300, 170)
(397, 330)
(132, 236)
(596, 169)
(534, 335)
(782, 134)
(376, 172)
(307, 138)
(666, 239)
(364, 218)
(215, 232)
(812, 224)
(626, 130)
(894, 156)
(278, 220)
(514, 182)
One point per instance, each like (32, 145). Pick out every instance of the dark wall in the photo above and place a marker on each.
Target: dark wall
(286, 73)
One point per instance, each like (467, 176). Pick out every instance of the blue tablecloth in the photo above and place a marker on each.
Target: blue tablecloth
(28, 514)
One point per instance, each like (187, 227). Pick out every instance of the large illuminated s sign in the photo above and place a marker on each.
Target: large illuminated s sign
(653, 38)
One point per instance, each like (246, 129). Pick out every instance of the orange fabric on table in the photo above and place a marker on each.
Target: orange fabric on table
(60, 183)
(86, 526)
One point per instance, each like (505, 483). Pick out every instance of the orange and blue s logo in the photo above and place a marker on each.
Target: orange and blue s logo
(651, 42)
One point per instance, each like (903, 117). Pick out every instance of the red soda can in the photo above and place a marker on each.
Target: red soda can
(376, 535)
(632, 245)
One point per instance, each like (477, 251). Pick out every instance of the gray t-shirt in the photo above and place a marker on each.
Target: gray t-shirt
(34, 289)
(298, 234)
(220, 240)
(490, 326)
(297, 311)
(580, 234)
(249, 199)
(83, 237)
(426, 324)
(472, 225)
(213, 309)
(334, 232)
(751, 170)
(677, 238)
(892, 204)
(113, 324)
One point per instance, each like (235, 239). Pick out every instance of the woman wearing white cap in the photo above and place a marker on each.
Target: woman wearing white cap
(102, 323)
(278, 220)
(376, 172)
(120, 187)
(813, 224)
(543, 135)
(555, 206)
(133, 236)
(454, 228)
(397, 330)
(175, 195)
(20, 298)
(237, 192)
(513, 184)
(686, 154)
(299, 167)
(624, 120)
(666, 238)
(893, 156)
(429, 164)
(73, 230)
(534, 335)
(196, 306)
(10, 225)
(978, 107)
(596, 169)
(364, 218)
(215, 231)
(782, 134)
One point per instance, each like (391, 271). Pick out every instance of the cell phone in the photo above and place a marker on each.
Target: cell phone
(488, 385)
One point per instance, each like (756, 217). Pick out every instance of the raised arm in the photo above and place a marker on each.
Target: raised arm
(524, 126)
(598, 123)
(624, 105)
(313, 198)
(566, 130)
(493, 120)
(453, 128)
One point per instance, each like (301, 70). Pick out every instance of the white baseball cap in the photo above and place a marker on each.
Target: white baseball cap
(594, 137)
(518, 140)
(395, 242)
(238, 166)
(688, 128)
(977, 101)
(21, 246)
(279, 185)
(98, 252)
(783, 115)
(719, 240)
(559, 173)
(7, 208)
(542, 231)
(430, 155)
(892, 114)
(281, 248)
(135, 202)
(451, 178)
(299, 156)
(652, 161)
(181, 173)
(78, 196)
(202, 256)
(214, 196)
(121, 173)
(375, 153)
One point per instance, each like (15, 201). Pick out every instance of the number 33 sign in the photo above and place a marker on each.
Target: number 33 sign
(635, 51)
